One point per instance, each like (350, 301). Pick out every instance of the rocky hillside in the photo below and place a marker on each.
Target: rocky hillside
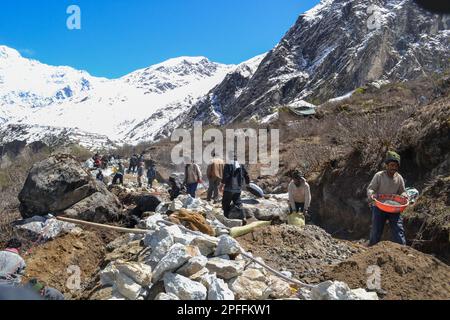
(331, 50)
(422, 139)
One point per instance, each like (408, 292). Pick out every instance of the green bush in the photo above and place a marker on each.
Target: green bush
(360, 90)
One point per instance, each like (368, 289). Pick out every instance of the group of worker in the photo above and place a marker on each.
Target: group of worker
(229, 178)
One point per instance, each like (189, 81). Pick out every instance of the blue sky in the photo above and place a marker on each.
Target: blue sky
(120, 36)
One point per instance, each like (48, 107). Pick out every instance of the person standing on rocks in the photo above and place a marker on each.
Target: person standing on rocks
(12, 265)
(175, 187)
(388, 181)
(100, 176)
(299, 194)
(234, 175)
(192, 177)
(140, 174)
(133, 164)
(214, 173)
(151, 174)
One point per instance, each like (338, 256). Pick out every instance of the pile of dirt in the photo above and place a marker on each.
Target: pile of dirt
(52, 262)
(429, 219)
(405, 273)
(303, 251)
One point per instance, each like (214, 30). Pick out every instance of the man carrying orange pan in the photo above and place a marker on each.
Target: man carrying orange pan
(387, 182)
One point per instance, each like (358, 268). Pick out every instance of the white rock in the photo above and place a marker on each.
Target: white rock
(176, 205)
(184, 288)
(254, 275)
(193, 266)
(336, 290)
(160, 208)
(207, 246)
(225, 269)
(219, 290)
(175, 258)
(279, 289)
(246, 289)
(116, 296)
(139, 272)
(151, 222)
(229, 223)
(227, 246)
(205, 278)
(362, 294)
(108, 275)
(127, 287)
(167, 297)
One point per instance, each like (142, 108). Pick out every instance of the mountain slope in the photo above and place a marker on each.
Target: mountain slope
(336, 47)
(32, 93)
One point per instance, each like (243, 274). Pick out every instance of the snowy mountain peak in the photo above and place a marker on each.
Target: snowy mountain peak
(8, 53)
(43, 96)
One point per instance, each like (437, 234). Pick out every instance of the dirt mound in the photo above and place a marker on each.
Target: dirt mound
(49, 262)
(303, 251)
(405, 273)
(429, 219)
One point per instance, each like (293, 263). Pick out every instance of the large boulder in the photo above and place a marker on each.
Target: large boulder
(60, 184)
(146, 203)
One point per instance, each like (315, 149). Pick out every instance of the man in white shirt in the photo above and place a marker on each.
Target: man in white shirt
(299, 193)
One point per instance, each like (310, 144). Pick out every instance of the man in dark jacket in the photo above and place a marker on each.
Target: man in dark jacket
(133, 164)
(100, 176)
(151, 174)
(175, 188)
(234, 175)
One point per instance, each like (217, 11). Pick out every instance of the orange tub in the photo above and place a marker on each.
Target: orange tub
(380, 199)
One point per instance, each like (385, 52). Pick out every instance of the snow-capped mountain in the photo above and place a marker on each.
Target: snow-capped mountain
(207, 106)
(332, 49)
(35, 94)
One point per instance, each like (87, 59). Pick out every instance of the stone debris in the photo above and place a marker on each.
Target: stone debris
(174, 264)
(335, 290)
(184, 288)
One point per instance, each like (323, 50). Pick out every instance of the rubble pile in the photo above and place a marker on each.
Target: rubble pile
(171, 263)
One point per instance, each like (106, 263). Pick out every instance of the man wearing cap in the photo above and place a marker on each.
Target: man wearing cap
(299, 193)
(46, 292)
(391, 182)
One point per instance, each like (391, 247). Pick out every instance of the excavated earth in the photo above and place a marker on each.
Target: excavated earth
(406, 274)
(305, 252)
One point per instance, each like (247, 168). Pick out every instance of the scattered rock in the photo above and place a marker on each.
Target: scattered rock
(207, 245)
(225, 269)
(167, 297)
(175, 258)
(279, 289)
(193, 266)
(219, 290)
(60, 184)
(127, 287)
(227, 246)
(336, 290)
(247, 289)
